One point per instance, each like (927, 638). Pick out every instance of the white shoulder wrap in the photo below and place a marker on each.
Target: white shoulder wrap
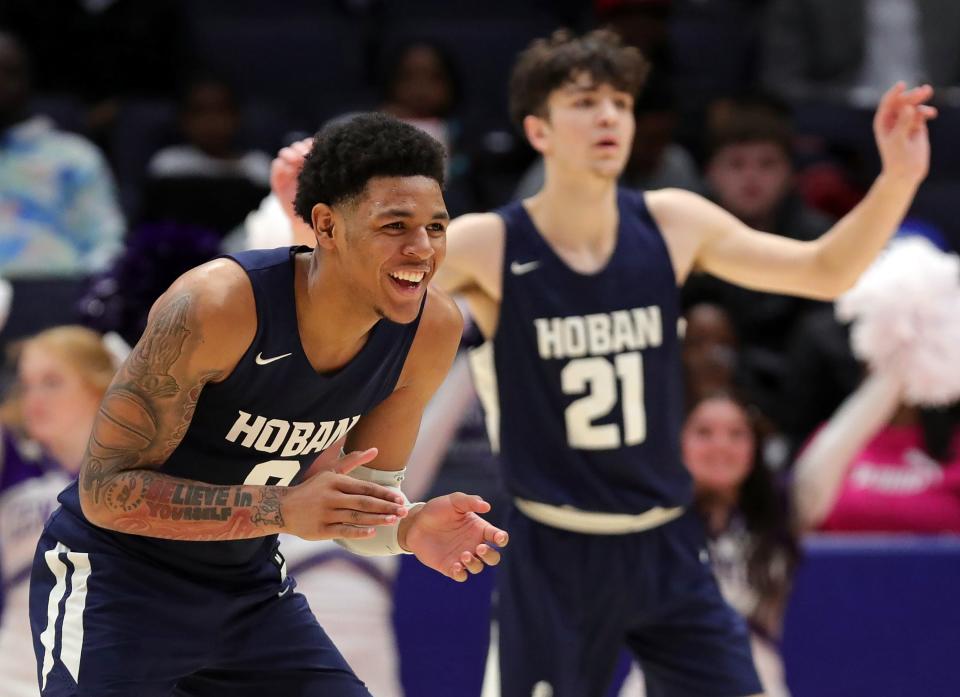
(384, 542)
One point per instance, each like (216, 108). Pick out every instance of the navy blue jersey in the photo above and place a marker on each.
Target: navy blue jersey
(265, 423)
(588, 382)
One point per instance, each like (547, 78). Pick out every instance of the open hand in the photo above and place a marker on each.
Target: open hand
(447, 535)
(900, 127)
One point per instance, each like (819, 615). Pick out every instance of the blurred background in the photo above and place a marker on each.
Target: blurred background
(136, 139)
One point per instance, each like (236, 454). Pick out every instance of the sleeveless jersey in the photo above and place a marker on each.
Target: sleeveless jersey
(584, 393)
(264, 424)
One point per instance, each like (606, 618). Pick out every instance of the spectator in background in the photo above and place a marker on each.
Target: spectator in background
(210, 125)
(62, 374)
(753, 549)
(710, 350)
(888, 460)
(750, 173)
(58, 211)
(712, 363)
(750, 169)
(879, 465)
(644, 24)
(208, 179)
(849, 51)
(419, 83)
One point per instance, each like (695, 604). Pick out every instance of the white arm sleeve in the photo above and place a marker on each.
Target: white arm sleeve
(822, 466)
(384, 542)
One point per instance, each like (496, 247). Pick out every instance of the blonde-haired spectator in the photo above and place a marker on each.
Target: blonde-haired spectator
(62, 374)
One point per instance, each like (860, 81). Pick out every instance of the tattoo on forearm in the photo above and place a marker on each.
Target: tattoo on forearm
(147, 503)
(125, 492)
(267, 511)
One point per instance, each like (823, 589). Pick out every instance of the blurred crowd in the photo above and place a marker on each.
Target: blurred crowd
(136, 140)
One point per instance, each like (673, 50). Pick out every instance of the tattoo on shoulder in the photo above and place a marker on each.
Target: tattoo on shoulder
(160, 347)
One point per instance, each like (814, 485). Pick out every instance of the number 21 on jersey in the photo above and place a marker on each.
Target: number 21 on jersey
(603, 383)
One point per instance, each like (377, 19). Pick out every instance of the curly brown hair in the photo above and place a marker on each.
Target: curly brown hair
(549, 63)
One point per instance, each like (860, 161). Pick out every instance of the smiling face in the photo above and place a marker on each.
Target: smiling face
(587, 127)
(718, 446)
(393, 238)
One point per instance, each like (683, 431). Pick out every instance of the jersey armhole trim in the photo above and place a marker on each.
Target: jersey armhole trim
(256, 317)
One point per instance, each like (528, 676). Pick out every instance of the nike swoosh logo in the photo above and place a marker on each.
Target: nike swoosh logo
(283, 592)
(518, 269)
(263, 361)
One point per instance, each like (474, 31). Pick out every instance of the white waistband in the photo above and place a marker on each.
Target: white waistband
(593, 523)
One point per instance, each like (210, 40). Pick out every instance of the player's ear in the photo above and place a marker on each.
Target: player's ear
(537, 130)
(323, 224)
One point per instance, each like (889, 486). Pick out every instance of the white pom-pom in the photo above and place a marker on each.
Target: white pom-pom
(905, 311)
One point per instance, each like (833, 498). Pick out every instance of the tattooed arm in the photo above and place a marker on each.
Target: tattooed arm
(196, 333)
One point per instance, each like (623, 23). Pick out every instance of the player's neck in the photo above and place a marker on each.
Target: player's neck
(332, 328)
(576, 211)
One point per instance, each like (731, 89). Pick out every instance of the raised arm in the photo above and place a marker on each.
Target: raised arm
(196, 333)
(819, 471)
(703, 236)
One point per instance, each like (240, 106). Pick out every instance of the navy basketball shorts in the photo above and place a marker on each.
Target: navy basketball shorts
(568, 602)
(106, 624)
